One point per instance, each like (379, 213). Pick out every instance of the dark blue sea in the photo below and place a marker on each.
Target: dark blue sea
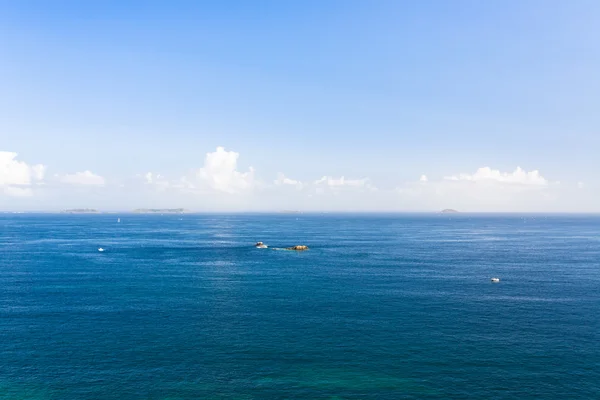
(380, 307)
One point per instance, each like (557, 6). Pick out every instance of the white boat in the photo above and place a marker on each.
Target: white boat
(261, 245)
(118, 219)
(495, 280)
(100, 249)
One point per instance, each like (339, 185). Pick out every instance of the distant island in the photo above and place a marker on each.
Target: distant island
(449, 211)
(81, 211)
(160, 211)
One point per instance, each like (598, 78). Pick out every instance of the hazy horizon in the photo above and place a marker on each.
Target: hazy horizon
(301, 212)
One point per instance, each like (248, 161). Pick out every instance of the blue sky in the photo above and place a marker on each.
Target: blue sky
(101, 93)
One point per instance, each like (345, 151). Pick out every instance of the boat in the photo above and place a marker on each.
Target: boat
(297, 248)
(118, 219)
(261, 245)
(100, 249)
(495, 280)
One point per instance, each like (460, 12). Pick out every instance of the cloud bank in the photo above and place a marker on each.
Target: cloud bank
(486, 189)
(83, 178)
(518, 176)
(16, 177)
(219, 183)
(341, 182)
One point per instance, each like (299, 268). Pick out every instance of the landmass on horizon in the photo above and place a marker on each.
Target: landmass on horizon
(161, 211)
(81, 211)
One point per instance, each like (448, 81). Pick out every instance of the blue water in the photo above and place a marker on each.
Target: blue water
(380, 307)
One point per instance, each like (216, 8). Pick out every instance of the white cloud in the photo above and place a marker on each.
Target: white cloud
(184, 183)
(325, 183)
(156, 180)
(220, 172)
(283, 180)
(14, 175)
(423, 178)
(485, 190)
(332, 182)
(337, 184)
(38, 171)
(518, 176)
(83, 178)
(13, 172)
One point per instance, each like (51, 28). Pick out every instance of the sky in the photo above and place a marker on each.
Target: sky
(330, 105)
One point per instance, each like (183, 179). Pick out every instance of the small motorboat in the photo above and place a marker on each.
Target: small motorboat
(260, 245)
(100, 249)
(495, 280)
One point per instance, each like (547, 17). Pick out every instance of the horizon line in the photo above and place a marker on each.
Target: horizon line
(98, 212)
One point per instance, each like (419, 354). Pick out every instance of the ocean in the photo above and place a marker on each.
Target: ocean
(380, 307)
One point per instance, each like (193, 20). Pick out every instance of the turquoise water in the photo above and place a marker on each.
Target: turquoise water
(380, 307)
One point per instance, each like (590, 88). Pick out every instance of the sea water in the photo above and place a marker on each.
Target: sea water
(379, 307)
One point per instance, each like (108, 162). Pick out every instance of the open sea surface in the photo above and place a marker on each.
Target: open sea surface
(380, 307)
